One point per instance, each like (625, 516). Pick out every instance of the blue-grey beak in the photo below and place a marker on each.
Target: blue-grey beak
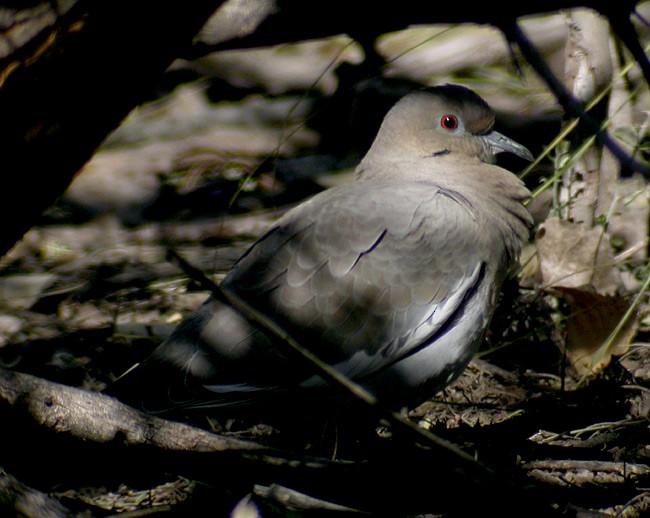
(495, 143)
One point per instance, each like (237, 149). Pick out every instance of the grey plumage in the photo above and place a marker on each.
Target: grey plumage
(392, 278)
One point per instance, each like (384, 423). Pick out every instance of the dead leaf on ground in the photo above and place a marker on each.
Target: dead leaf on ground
(593, 318)
(576, 257)
(577, 263)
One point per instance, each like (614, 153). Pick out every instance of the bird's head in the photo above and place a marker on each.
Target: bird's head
(445, 120)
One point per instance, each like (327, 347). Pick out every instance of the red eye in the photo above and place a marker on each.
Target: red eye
(449, 122)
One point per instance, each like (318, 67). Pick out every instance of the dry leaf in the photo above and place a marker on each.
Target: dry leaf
(529, 262)
(573, 256)
(592, 320)
(577, 262)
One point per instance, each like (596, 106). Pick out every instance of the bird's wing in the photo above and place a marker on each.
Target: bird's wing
(361, 277)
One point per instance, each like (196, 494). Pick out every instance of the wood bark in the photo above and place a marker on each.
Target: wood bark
(91, 416)
(69, 73)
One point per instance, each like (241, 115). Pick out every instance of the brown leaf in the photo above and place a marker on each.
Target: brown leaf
(593, 319)
(574, 256)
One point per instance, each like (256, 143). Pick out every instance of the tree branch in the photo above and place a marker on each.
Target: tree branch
(571, 105)
(63, 92)
(26, 501)
(92, 416)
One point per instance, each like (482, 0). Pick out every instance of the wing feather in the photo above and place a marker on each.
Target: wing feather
(378, 272)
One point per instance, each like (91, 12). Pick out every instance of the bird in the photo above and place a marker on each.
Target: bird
(391, 279)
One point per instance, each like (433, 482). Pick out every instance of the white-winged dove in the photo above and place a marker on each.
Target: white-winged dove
(392, 278)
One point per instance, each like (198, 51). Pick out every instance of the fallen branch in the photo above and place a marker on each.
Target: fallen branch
(96, 417)
(26, 501)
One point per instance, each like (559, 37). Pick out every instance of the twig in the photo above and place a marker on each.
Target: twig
(500, 484)
(622, 24)
(327, 372)
(570, 104)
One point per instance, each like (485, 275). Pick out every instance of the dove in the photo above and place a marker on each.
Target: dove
(392, 278)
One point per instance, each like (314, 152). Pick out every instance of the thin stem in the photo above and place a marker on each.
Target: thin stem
(570, 104)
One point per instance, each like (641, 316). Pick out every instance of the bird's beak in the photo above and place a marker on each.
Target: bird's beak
(495, 143)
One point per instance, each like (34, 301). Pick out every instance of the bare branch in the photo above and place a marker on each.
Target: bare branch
(100, 418)
(625, 30)
(571, 105)
(26, 501)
